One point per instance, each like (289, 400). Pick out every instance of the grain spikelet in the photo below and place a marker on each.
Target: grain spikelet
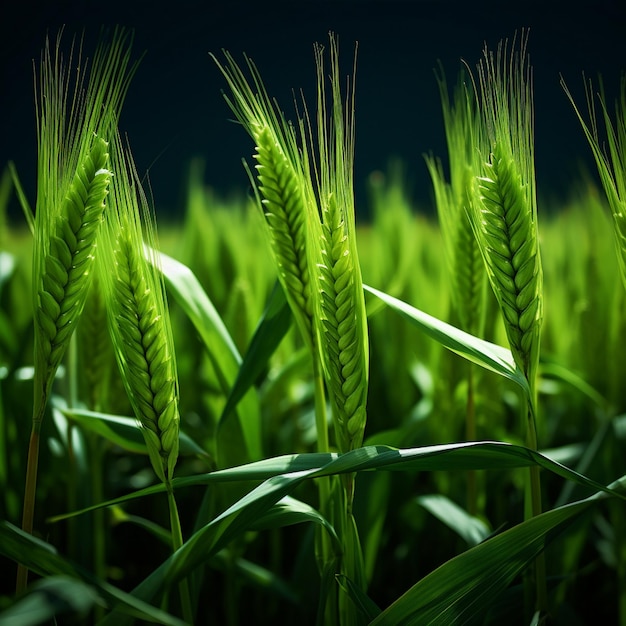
(286, 216)
(73, 126)
(338, 295)
(67, 266)
(505, 222)
(284, 186)
(138, 317)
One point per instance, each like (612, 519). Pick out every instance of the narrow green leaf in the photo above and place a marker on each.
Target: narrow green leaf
(466, 586)
(125, 431)
(48, 598)
(21, 196)
(291, 470)
(289, 511)
(42, 558)
(471, 529)
(191, 297)
(244, 513)
(366, 606)
(270, 331)
(488, 355)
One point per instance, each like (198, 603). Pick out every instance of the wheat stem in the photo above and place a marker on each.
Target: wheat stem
(72, 184)
(465, 140)
(139, 325)
(177, 542)
(505, 224)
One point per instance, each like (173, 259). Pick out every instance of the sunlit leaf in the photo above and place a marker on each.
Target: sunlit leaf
(125, 431)
(488, 355)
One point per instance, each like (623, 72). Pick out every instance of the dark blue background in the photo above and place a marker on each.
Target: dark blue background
(175, 111)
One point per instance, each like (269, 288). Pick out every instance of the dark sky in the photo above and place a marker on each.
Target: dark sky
(174, 110)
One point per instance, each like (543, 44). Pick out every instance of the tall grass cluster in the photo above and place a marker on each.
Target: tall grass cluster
(274, 412)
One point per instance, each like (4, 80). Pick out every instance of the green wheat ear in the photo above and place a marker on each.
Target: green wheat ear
(73, 127)
(465, 141)
(505, 223)
(338, 294)
(138, 316)
(67, 266)
(505, 218)
(285, 211)
(284, 185)
(73, 181)
(612, 164)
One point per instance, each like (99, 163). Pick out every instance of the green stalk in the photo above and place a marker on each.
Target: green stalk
(30, 490)
(321, 426)
(99, 536)
(325, 557)
(470, 435)
(533, 498)
(177, 542)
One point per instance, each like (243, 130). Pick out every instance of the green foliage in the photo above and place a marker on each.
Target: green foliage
(267, 527)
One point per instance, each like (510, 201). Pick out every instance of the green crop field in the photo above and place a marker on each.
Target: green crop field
(274, 412)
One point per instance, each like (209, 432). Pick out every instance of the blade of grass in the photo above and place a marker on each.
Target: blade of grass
(488, 355)
(271, 329)
(466, 586)
(191, 297)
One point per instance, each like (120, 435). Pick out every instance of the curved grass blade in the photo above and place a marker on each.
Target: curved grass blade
(193, 300)
(290, 470)
(470, 528)
(270, 331)
(289, 511)
(466, 586)
(49, 598)
(244, 513)
(488, 355)
(21, 196)
(124, 431)
(365, 605)
(42, 558)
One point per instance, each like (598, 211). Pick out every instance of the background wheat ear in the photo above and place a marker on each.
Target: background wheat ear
(138, 316)
(465, 142)
(611, 164)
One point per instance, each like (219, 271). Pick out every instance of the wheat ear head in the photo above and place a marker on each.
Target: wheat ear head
(286, 215)
(284, 186)
(139, 319)
(505, 219)
(67, 266)
(72, 183)
(338, 293)
(509, 237)
(464, 138)
(343, 343)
